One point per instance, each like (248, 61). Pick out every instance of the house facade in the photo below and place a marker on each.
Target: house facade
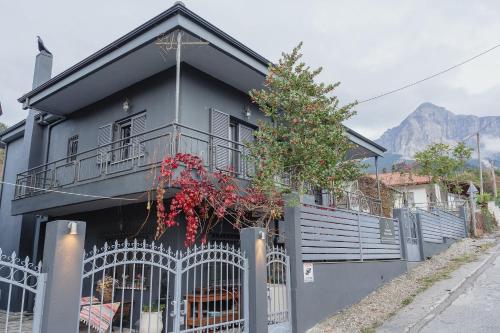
(419, 191)
(91, 145)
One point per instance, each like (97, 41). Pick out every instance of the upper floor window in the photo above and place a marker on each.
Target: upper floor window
(230, 135)
(72, 148)
(123, 132)
(122, 139)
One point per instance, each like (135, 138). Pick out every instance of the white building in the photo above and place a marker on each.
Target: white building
(418, 191)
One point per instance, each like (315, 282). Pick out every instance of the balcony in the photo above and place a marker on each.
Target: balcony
(135, 154)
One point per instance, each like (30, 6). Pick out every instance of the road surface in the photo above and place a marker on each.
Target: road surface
(476, 310)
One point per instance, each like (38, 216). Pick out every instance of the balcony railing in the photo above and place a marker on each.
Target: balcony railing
(135, 153)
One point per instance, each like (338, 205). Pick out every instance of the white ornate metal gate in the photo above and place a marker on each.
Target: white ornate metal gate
(22, 288)
(143, 287)
(278, 290)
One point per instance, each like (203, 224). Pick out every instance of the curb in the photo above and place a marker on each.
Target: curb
(456, 291)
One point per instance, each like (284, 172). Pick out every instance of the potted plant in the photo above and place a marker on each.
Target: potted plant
(151, 318)
(105, 288)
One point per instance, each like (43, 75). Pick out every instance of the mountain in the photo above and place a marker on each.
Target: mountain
(430, 123)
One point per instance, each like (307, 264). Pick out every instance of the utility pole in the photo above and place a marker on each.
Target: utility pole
(472, 191)
(480, 165)
(494, 179)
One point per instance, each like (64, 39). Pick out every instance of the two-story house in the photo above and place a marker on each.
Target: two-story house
(95, 133)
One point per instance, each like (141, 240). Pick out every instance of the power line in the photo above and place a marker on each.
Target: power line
(68, 193)
(431, 76)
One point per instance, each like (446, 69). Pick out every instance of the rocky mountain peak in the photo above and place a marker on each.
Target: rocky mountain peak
(430, 123)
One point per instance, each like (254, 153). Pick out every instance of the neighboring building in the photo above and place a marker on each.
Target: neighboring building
(94, 134)
(419, 191)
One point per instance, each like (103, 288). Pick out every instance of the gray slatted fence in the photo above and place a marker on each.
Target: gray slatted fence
(333, 234)
(452, 225)
(431, 226)
(439, 223)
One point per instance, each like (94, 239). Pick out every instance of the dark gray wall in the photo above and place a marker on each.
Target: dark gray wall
(154, 95)
(432, 249)
(10, 226)
(339, 285)
(201, 92)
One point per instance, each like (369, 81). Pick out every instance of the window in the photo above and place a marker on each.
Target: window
(234, 147)
(124, 147)
(72, 148)
(230, 134)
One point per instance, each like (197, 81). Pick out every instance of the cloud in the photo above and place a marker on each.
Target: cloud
(490, 144)
(370, 46)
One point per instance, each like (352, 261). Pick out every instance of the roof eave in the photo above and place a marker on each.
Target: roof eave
(177, 9)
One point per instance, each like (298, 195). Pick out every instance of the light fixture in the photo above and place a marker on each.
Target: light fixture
(262, 235)
(73, 228)
(248, 112)
(126, 105)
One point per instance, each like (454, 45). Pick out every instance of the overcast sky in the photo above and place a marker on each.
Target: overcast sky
(369, 46)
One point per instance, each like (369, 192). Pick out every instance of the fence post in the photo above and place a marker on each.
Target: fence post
(401, 214)
(420, 234)
(462, 212)
(253, 243)
(360, 238)
(62, 262)
(293, 245)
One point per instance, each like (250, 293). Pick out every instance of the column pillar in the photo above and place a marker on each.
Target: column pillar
(293, 245)
(253, 244)
(62, 262)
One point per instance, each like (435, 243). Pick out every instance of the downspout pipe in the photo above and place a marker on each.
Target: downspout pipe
(42, 121)
(3, 171)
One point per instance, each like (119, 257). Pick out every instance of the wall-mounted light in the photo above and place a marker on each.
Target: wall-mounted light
(248, 112)
(126, 105)
(262, 235)
(72, 228)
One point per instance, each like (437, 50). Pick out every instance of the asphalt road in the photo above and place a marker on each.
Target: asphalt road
(476, 310)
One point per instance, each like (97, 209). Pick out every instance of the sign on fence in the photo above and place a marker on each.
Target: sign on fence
(387, 233)
(308, 272)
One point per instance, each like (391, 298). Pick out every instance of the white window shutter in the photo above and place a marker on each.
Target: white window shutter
(138, 126)
(104, 139)
(245, 135)
(219, 126)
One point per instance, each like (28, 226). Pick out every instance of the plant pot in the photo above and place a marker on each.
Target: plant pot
(106, 295)
(151, 322)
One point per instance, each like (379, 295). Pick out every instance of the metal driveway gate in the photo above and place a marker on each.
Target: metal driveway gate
(278, 290)
(411, 234)
(22, 288)
(142, 287)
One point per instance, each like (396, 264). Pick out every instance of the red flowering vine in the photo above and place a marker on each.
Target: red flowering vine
(208, 198)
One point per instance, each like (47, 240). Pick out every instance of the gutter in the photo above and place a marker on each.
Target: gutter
(364, 138)
(12, 128)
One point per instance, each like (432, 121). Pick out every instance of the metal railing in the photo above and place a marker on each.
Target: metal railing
(278, 287)
(355, 201)
(136, 153)
(22, 287)
(144, 287)
(448, 206)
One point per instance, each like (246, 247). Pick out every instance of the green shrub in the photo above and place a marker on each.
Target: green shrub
(483, 199)
(490, 224)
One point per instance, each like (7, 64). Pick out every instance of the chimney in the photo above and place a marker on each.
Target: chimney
(43, 68)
